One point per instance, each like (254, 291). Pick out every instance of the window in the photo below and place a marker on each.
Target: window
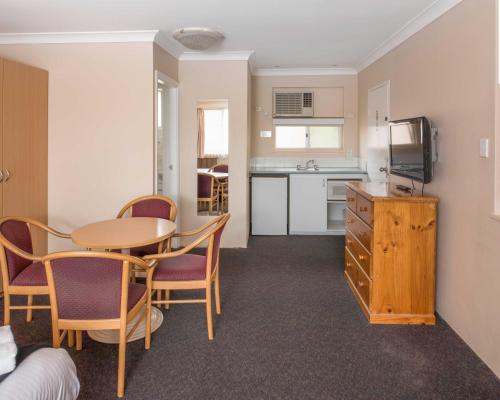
(216, 132)
(309, 137)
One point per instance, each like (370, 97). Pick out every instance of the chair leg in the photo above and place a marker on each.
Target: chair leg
(55, 337)
(209, 311)
(71, 338)
(217, 292)
(78, 340)
(29, 311)
(147, 335)
(167, 297)
(6, 309)
(122, 347)
(158, 297)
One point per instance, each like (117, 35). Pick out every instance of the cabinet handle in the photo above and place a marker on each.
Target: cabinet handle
(349, 220)
(7, 175)
(323, 183)
(361, 284)
(349, 242)
(348, 264)
(350, 199)
(1, 176)
(363, 209)
(361, 257)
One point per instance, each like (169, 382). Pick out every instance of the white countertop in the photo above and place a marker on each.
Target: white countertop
(293, 170)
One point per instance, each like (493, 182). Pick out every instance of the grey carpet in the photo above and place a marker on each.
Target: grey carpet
(289, 329)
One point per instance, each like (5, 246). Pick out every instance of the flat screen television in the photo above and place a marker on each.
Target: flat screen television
(411, 148)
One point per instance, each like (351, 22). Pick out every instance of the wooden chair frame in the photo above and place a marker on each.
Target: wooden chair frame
(13, 290)
(214, 194)
(70, 326)
(211, 276)
(212, 168)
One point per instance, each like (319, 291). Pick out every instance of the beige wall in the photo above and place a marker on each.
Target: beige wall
(206, 80)
(334, 96)
(165, 62)
(447, 72)
(100, 130)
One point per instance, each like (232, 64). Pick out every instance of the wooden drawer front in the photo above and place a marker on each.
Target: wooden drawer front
(359, 253)
(359, 230)
(351, 199)
(358, 278)
(364, 208)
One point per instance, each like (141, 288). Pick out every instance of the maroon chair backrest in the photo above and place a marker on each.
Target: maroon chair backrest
(204, 186)
(149, 208)
(221, 168)
(18, 233)
(87, 288)
(216, 246)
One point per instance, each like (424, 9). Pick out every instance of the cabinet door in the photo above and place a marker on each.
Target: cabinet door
(24, 147)
(308, 206)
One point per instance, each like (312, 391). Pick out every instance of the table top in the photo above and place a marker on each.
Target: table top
(217, 175)
(123, 233)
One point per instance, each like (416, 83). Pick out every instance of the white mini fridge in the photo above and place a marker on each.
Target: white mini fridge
(270, 205)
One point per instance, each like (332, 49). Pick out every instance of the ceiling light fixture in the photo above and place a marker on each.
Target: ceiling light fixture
(198, 38)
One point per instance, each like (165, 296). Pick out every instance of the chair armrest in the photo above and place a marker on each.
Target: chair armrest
(195, 231)
(177, 253)
(17, 251)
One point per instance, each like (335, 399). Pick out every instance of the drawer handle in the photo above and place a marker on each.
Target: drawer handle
(363, 209)
(361, 284)
(350, 199)
(361, 257)
(349, 220)
(349, 242)
(348, 264)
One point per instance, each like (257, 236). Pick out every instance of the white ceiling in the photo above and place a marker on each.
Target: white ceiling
(285, 33)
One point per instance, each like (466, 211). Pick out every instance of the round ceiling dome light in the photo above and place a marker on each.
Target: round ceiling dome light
(198, 38)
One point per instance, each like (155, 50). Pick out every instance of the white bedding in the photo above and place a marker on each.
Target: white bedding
(46, 374)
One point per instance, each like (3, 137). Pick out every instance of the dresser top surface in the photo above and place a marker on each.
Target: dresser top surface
(375, 191)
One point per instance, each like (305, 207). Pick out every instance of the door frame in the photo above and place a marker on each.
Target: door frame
(173, 130)
(386, 83)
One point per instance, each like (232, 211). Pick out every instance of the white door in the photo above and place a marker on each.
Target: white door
(377, 159)
(308, 205)
(166, 141)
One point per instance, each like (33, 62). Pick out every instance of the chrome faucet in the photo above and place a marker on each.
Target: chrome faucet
(310, 164)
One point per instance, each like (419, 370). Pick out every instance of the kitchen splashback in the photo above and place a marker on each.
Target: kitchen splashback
(291, 162)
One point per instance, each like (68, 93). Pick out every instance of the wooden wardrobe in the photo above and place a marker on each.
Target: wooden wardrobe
(23, 144)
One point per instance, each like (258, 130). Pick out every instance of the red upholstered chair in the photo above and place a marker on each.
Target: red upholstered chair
(182, 271)
(155, 206)
(22, 271)
(220, 168)
(91, 290)
(207, 191)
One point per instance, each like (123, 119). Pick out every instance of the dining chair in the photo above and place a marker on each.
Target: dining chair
(22, 271)
(219, 168)
(207, 191)
(91, 291)
(179, 270)
(156, 206)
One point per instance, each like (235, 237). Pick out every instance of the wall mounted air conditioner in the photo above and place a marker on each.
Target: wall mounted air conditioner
(293, 103)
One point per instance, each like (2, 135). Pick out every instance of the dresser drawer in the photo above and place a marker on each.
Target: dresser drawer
(358, 278)
(359, 253)
(351, 199)
(359, 229)
(364, 208)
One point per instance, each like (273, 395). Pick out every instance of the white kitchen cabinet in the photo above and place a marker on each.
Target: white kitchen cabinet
(308, 206)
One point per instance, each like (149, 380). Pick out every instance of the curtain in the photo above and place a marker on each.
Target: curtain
(201, 133)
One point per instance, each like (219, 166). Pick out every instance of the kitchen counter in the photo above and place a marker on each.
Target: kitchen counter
(293, 170)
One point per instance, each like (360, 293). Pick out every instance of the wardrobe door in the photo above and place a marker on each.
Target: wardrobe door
(25, 99)
(1, 140)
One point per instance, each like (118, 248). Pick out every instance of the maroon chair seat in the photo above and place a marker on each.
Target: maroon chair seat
(135, 292)
(187, 267)
(32, 275)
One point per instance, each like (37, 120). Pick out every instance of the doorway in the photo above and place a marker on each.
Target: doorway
(377, 159)
(166, 141)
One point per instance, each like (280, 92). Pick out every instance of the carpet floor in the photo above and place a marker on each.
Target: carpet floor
(290, 329)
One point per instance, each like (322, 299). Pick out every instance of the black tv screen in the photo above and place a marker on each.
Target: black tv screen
(410, 149)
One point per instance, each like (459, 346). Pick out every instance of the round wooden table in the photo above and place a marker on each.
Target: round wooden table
(124, 233)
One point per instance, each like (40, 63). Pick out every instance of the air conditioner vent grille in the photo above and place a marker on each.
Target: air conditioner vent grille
(290, 104)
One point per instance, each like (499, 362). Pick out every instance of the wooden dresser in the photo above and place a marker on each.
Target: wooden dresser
(390, 253)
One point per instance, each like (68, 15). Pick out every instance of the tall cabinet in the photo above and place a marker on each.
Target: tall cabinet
(23, 144)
